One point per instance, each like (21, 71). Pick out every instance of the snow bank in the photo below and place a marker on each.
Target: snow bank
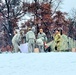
(38, 63)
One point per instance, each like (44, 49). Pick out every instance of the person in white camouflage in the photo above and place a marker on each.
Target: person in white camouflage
(16, 41)
(30, 39)
(42, 36)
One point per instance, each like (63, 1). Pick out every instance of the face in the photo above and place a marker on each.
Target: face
(15, 32)
(56, 31)
(41, 30)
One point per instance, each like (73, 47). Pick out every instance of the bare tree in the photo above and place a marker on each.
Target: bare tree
(72, 14)
(10, 12)
(56, 4)
(72, 25)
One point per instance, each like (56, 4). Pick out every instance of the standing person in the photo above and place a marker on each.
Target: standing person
(16, 41)
(57, 39)
(42, 36)
(30, 38)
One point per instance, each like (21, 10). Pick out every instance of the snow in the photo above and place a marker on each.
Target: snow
(38, 63)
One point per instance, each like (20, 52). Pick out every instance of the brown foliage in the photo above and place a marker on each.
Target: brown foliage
(43, 16)
(14, 22)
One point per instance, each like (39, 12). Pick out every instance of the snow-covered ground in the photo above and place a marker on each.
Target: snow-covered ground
(53, 63)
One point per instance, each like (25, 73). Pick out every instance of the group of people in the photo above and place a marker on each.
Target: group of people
(31, 39)
(39, 41)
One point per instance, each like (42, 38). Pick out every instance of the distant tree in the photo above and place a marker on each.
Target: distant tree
(10, 13)
(72, 25)
(15, 2)
(72, 14)
(60, 21)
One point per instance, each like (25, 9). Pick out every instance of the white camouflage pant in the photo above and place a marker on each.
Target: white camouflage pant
(31, 45)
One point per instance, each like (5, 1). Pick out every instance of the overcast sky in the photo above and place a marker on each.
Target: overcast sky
(68, 5)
